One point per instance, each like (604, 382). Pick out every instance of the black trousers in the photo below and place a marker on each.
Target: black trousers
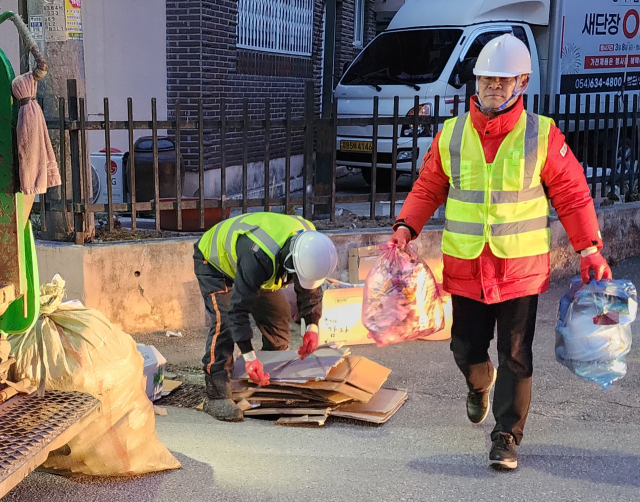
(471, 334)
(271, 312)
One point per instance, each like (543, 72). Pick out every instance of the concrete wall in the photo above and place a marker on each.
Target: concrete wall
(144, 286)
(149, 285)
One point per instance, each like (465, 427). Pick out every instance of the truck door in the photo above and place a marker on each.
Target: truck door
(462, 80)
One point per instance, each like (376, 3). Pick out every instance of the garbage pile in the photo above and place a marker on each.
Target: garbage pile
(401, 298)
(330, 382)
(76, 349)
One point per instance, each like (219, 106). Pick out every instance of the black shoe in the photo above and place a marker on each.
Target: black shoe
(503, 453)
(219, 403)
(478, 403)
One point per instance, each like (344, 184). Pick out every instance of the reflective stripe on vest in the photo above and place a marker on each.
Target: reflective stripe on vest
(503, 203)
(270, 231)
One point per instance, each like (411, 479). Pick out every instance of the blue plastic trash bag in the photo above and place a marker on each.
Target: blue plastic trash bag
(593, 334)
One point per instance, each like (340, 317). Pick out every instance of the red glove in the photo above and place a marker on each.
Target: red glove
(256, 372)
(309, 344)
(400, 237)
(594, 262)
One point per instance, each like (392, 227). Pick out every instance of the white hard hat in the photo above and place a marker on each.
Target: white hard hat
(504, 56)
(314, 258)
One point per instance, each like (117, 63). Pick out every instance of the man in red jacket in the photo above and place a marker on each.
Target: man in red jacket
(497, 167)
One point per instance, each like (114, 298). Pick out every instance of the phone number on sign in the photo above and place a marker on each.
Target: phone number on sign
(598, 82)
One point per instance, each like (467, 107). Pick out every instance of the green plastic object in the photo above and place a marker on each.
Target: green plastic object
(17, 245)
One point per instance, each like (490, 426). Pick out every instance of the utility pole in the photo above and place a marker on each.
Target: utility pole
(57, 27)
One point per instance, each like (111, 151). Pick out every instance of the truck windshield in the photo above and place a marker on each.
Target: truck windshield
(405, 57)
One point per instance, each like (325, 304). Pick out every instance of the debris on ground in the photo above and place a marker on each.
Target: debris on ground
(188, 395)
(346, 219)
(173, 334)
(159, 411)
(76, 349)
(153, 370)
(168, 386)
(329, 382)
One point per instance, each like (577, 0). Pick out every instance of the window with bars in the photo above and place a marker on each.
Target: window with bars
(281, 26)
(358, 24)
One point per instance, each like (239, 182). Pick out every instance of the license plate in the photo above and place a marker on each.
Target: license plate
(356, 146)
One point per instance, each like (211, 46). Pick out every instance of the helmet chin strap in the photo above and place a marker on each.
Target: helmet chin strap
(503, 106)
(290, 256)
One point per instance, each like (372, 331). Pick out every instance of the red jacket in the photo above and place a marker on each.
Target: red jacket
(488, 278)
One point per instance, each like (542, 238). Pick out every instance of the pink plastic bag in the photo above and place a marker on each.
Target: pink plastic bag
(401, 298)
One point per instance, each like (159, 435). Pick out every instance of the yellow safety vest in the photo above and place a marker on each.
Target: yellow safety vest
(502, 203)
(270, 231)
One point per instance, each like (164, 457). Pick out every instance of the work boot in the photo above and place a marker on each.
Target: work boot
(478, 402)
(503, 453)
(218, 403)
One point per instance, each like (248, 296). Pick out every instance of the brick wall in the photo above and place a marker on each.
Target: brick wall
(203, 62)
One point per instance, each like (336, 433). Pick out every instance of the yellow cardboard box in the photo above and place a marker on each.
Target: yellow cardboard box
(341, 318)
(341, 313)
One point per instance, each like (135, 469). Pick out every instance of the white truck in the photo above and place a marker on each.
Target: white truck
(429, 49)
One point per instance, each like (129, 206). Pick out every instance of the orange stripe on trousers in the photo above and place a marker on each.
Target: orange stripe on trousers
(215, 337)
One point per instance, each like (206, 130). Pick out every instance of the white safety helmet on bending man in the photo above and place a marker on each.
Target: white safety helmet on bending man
(314, 258)
(502, 73)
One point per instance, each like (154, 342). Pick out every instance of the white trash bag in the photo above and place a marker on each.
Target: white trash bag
(593, 333)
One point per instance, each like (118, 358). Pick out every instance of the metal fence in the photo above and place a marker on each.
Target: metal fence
(603, 133)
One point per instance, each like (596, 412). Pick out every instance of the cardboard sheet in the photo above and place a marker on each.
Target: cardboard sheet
(244, 405)
(384, 404)
(360, 372)
(169, 386)
(341, 317)
(285, 364)
(286, 411)
(384, 401)
(341, 387)
(305, 420)
(355, 377)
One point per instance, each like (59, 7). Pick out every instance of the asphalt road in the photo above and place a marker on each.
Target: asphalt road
(581, 444)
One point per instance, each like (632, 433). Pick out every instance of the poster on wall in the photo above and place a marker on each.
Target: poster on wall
(600, 48)
(73, 19)
(54, 21)
(36, 27)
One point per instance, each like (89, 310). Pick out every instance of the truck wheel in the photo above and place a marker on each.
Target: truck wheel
(383, 178)
(623, 159)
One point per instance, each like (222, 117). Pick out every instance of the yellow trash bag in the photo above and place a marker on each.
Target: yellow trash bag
(73, 348)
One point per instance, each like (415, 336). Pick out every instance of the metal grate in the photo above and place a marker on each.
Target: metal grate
(186, 396)
(283, 26)
(28, 424)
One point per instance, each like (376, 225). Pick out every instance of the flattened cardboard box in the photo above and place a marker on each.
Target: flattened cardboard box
(382, 406)
(356, 377)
